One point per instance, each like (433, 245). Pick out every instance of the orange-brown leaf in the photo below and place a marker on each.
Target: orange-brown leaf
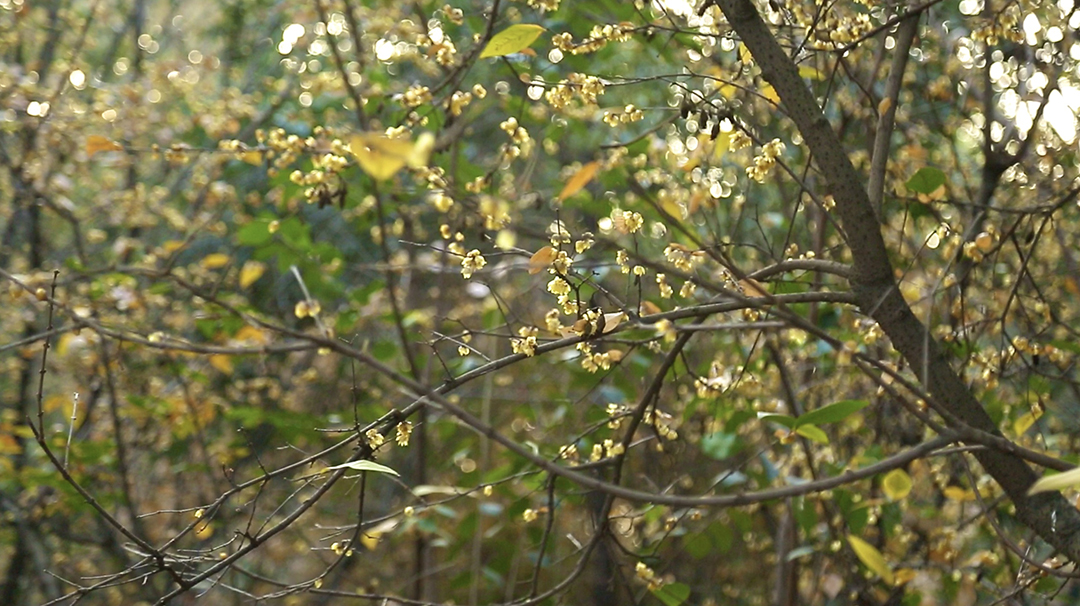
(579, 180)
(541, 259)
(97, 143)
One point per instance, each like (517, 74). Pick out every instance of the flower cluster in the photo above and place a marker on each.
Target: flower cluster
(607, 450)
(527, 343)
(545, 5)
(598, 38)
(416, 96)
(648, 576)
(403, 432)
(626, 221)
(764, 162)
(471, 263)
(374, 439)
(628, 114)
(682, 257)
(587, 88)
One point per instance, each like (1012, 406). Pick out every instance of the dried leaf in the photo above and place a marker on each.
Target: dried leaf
(541, 259)
(579, 180)
(753, 288)
(612, 320)
(97, 143)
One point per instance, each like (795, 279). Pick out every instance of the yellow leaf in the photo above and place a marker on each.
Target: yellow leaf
(770, 93)
(381, 157)
(723, 142)
(811, 73)
(513, 39)
(744, 54)
(896, 484)
(673, 207)
(252, 157)
(214, 261)
(541, 259)
(1025, 421)
(955, 493)
(252, 271)
(884, 105)
(222, 363)
(250, 334)
(171, 246)
(871, 558)
(1065, 479)
(369, 540)
(579, 180)
(97, 143)
(506, 239)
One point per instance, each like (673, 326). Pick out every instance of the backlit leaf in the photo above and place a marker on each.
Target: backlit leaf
(1065, 479)
(1025, 421)
(812, 432)
(896, 484)
(832, 413)
(672, 594)
(871, 558)
(382, 157)
(579, 180)
(363, 465)
(512, 40)
(926, 180)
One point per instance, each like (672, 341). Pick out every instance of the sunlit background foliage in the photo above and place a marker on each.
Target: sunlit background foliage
(253, 241)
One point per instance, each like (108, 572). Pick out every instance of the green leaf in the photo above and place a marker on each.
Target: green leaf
(720, 445)
(812, 432)
(871, 558)
(255, 233)
(785, 420)
(512, 40)
(672, 594)
(832, 413)
(926, 180)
